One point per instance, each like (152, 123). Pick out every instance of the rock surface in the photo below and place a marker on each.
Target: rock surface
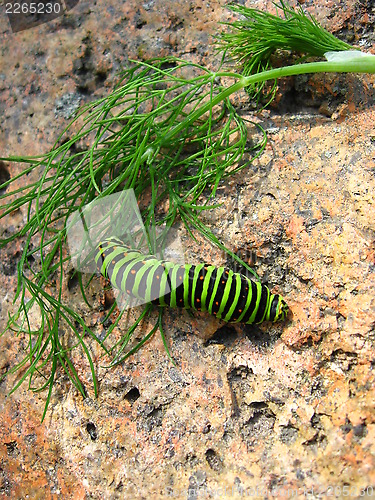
(258, 411)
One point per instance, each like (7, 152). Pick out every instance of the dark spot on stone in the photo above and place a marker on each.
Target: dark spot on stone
(206, 429)
(88, 75)
(4, 176)
(91, 429)
(258, 405)
(10, 265)
(73, 280)
(139, 21)
(192, 459)
(239, 374)
(132, 395)
(150, 418)
(261, 422)
(360, 430)
(213, 460)
(11, 447)
(109, 299)
(288, 434)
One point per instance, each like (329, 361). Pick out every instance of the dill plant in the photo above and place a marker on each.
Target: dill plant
(167, 129)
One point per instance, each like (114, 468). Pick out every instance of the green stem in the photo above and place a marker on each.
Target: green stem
(360, 65)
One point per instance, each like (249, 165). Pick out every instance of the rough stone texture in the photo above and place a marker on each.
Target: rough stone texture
(272, 407)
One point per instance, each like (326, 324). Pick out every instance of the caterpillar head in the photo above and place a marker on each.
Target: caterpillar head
(278, 310)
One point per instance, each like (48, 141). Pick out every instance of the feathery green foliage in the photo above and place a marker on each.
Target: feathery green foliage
(169, 130)
(251, 41)
(142, 137)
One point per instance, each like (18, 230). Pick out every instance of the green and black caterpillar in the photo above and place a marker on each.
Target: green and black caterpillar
(227, 295)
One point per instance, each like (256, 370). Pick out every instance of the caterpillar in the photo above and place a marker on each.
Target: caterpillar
(227, 295)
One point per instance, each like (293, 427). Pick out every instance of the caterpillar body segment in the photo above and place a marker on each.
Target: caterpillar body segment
(221, 292)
